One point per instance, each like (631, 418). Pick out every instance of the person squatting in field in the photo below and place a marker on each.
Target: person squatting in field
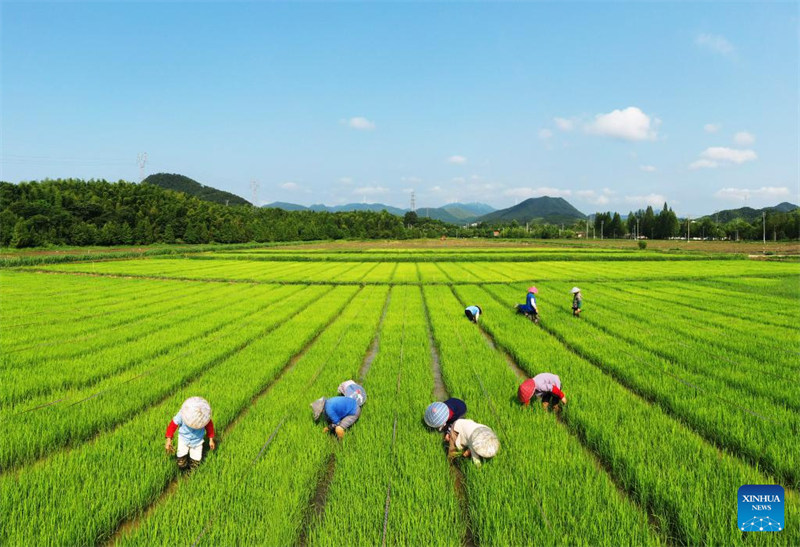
(440, 416)
(577, 301)
(546, 387)
(471, 439)
(473, 313)
(194, 421)
(529, 308)
(343, 411)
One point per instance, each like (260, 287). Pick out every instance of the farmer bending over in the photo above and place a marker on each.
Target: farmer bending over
(546, 387)
(340, 412)
(471, 439)
(194, 420)
(577, 301)
(529, 308)
(440, 416)
(473, 313)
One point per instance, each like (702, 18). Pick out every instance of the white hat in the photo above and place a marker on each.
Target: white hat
(484, 444)
(575, 289)
(196, 412)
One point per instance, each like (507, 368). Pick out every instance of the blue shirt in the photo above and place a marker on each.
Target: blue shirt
(474, 310)
(338, 408)
(530, 303)
(192, 437)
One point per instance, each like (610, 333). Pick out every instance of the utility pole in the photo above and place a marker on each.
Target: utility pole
(637, 228)
(254, 192)
(764, 224)
(413, 202)
(688, 225)
(602, 223)
(141, 159)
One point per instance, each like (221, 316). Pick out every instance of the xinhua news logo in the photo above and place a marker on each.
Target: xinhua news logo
(761, 508)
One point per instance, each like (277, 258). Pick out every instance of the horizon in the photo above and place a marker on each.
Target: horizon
(609, 106)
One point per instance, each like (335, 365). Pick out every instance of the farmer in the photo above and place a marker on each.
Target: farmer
(440, 416)
(529, 308)
(546, 387)
(577, 301)
(194, 420)
(471, 439)
(343, 411)
(473, 313)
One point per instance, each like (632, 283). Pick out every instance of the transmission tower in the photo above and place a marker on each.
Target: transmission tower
(413, 202)
(141, 159)
(254, 191)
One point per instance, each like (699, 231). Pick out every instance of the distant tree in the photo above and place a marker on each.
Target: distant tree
(410, 218)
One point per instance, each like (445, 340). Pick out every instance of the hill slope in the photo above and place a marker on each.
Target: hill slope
(180, 183)
(542, 209)
(749, 214)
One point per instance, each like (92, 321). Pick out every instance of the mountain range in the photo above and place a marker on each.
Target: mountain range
(543, 209)
(453, 213)
(748, 213)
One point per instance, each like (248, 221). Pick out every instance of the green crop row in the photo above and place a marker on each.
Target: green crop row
(543, 488)
(760, 431)
(241, 499)
(761, 311)
(46, 369)
(391, 482)
(686, 483)
(734, 320)
(429, 272)
(744, 361)
(128, 320)
(76, 415)
(80, 496)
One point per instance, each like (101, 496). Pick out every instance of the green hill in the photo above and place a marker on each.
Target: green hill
(180, 183)
(542, 209)
(748, 213)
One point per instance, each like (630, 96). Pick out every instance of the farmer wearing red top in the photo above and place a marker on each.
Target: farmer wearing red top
(194, 421)
(546, 387)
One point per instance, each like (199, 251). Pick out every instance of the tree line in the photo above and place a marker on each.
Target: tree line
(96, 212)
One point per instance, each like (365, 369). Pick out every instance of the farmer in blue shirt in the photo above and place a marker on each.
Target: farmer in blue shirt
(529, 308)
(194, 421)
(343, 411)
(473, 312)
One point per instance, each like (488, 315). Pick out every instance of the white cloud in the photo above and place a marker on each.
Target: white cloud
(647, 168)
(456, 159)
(594, 197)
(458, 180)
(743, 138)
(436, 189)
(655, 200)
(564, 124)
(527, 192)
(742, 194)
(716, 43)
(718, 156)
(545, 134)
(345, 180)
(361, 123)
(732, 155)
(712, 127)
(630, 124)
(371, 190)
(291, 186)
(703, 164)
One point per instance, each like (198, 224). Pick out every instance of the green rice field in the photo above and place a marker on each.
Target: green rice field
(682, 374)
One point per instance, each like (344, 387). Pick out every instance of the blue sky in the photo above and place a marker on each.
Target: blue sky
(612, 106)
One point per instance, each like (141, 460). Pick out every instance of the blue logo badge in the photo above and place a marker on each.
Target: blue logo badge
(761, 508)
